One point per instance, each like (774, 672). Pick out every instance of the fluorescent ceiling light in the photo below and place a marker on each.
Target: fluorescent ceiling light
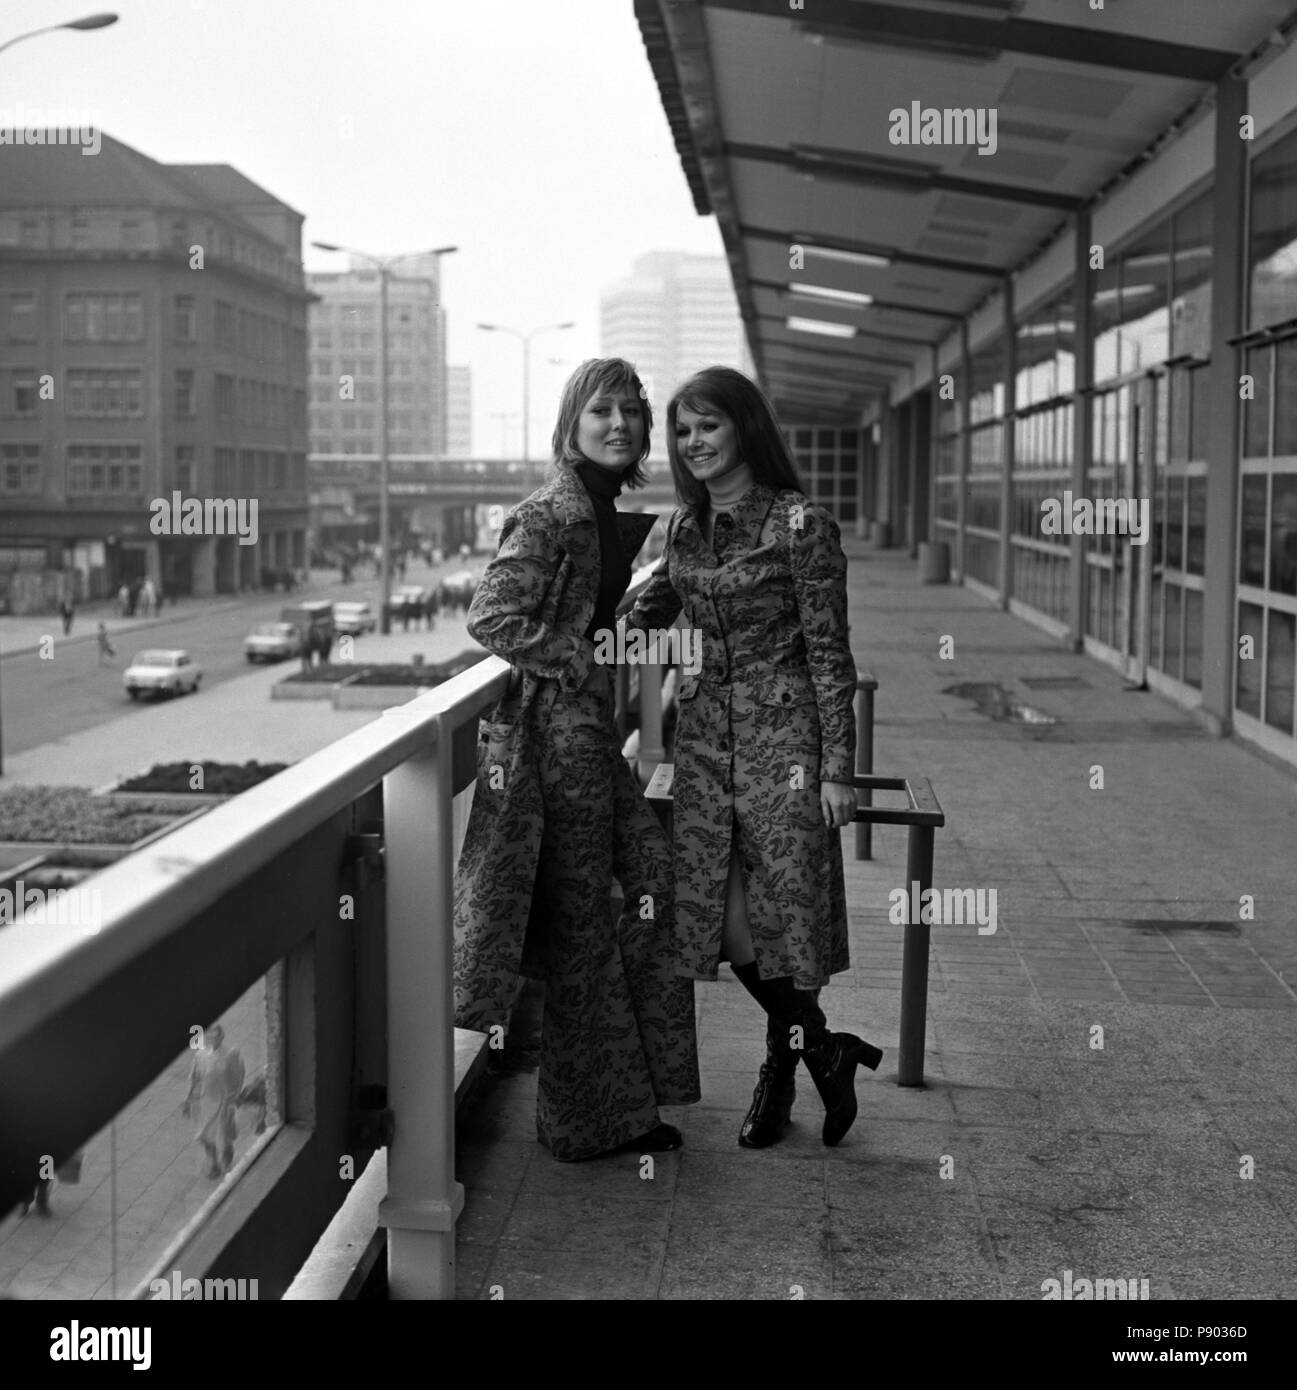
(836, 296)
(829, 330)
(830, 253)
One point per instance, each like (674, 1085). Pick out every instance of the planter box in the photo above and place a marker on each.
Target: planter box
(303, 690)
(348, 696)
(177, 801)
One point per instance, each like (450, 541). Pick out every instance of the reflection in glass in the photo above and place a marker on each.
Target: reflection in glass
(1193, 638)
(1196, 536)
(1280, 671)
(1283, 535)
(1191, 308)
(1251, 555)
(165, 1158)
(1178, 451)
(1274, 235)
(1172, 637)
(1175, 522)
(1155, 624)
(1285, 424)
(1256, 412)
(1200, 422)
(1247, 694)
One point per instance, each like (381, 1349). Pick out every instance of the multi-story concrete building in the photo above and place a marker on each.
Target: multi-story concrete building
(152, 342)
(346, 382)
(675, 313)
(459, 413)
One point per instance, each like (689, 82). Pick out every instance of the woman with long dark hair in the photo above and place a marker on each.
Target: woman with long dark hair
(556, 813)
(765, 743)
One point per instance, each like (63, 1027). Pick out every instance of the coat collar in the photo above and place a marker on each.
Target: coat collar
(748, 517)
(572, 506)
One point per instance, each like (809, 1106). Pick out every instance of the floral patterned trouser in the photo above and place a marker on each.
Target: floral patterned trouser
(617, 1035)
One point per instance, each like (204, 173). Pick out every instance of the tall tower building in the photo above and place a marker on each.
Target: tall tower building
(459, 412)
(675, 313)
(345, 360)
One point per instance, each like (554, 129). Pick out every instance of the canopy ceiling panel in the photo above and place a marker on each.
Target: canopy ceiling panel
(784, 122)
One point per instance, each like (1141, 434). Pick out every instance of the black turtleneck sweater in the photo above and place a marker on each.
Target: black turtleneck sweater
(603, 485)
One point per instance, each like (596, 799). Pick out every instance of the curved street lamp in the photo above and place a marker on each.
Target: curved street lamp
(383, 264)
(91, 21)
(525, 339)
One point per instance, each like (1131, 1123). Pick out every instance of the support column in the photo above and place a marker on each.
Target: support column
(1082, 418)
(912, 477)
(1005, 583)
(1228, 313)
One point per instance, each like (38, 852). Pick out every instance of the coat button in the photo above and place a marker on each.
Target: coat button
(788, 699)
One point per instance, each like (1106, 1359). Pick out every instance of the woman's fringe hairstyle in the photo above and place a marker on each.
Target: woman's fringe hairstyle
(593, 377)
(723, 391)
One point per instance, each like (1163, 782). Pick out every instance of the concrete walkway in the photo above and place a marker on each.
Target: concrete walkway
(1112, 1074)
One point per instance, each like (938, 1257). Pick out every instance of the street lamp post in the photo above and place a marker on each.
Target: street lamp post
(384, 264)
(91, 21)
(525, 339)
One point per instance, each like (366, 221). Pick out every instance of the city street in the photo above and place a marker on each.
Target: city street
(46, 700)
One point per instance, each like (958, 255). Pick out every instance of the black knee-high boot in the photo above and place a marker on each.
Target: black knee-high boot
(831, 1058)
(776, 1089)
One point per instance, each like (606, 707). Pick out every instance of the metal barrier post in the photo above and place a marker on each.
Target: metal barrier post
(914, 961)
(866, 684)
(651, 747)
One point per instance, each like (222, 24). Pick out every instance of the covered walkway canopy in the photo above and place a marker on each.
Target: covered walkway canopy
(1017, 271)
(785, 116)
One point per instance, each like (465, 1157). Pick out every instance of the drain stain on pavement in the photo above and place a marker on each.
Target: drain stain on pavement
(999, 703)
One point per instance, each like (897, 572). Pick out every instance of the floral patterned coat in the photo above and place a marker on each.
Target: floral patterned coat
(532, 608)
(769, 714)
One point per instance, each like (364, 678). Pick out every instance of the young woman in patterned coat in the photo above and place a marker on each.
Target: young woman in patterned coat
(556, 812)
(765, 743)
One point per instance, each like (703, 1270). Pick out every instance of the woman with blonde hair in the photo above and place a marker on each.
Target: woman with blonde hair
(556, 813)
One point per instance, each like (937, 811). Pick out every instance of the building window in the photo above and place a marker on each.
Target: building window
(80, 233)
(184, 468)
(105, 392)
(21, 471)
(224, 394)
(130, 236)
(226, 341)
(29, 232)
(186, 398)
(105, 468)
(18, 317)
(104, 318)
(223, 470)
(185, 319)
(22, 395)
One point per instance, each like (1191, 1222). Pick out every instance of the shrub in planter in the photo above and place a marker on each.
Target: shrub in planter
(75, 815)
(219, 779)
(429, 674)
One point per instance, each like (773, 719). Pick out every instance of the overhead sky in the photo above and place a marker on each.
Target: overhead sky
(527, 132)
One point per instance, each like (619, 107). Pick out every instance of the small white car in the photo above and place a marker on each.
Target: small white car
(272, 642)
(355, 618)
(162, 673)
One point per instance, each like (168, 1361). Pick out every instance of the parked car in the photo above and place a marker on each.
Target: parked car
(272, 642)
(355, 618)
(162, 672)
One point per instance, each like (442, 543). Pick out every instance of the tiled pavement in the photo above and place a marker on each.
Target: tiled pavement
(1040, 1144)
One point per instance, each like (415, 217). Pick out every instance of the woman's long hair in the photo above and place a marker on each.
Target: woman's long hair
(591, 378)
(761, 444)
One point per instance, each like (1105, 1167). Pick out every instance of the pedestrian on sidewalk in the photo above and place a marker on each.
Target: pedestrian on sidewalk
(765, 743)
(67, 611)
(124, 601)
(105, 646)
(557, 815)
(148, 598)
(215, 1083)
